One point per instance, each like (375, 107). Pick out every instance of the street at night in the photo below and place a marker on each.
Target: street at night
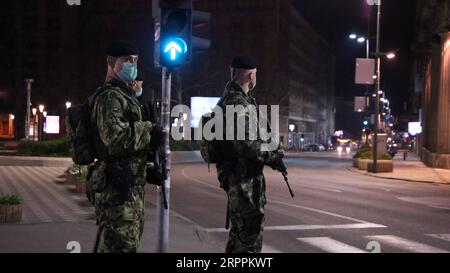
(217, 135)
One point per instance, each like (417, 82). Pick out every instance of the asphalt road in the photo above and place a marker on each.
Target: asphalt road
(334, 210)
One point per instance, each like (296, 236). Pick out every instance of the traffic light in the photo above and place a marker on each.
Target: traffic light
(175, 36)
(302, 137)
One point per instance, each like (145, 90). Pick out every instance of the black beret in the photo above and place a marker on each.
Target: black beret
(244, 62)
(121, 48)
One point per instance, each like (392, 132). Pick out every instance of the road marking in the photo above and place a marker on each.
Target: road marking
(308, 227)
(270, 249)
(438, 207)
(445, 237)
(321, 211)
(405, 244)
(365, 224)
(329, 245)
(432, 202)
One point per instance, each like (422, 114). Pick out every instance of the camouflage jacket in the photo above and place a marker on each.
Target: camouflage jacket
(123, 136)
(249, 157)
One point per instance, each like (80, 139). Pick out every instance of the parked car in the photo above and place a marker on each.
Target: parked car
(314, 148)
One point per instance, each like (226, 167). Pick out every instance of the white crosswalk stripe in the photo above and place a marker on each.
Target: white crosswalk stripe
(445, 236)
(330, 245)
(400, 244)
(405, 244)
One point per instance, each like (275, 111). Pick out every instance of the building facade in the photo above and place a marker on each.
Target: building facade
(432, 80)
(62, 48)
(296, 65)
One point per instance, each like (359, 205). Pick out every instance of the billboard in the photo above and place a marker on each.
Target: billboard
(201, 106)
(414, 128)
(364, 71)
(52, 124)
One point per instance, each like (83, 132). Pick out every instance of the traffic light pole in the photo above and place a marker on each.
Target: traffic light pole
(163, 214)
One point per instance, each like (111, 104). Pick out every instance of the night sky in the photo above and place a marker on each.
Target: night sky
(336, 19)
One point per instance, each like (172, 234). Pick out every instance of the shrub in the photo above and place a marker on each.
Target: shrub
(9, 200)
(57, 147)
(369, 155)
(77, 171)
(362, 150)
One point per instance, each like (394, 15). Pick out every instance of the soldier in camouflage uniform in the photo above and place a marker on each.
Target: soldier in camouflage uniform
(240, 173)
(122, 141)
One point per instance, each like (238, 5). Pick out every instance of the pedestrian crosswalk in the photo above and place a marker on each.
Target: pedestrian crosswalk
(45, 198)
(375, 244)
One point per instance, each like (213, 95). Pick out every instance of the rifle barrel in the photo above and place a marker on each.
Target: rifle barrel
(287, 183)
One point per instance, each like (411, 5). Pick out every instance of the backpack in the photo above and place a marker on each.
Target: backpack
(211, 150)
(208, 148)
(80, 133)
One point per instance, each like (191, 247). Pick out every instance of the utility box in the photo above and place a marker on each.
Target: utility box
(381, 143)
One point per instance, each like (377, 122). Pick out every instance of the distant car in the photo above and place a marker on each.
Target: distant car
(314, 148)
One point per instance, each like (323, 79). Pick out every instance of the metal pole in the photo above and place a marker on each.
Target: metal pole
(163, 214)
(27, 117)
(377, 90)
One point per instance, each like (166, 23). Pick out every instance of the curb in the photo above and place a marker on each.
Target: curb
(351, 169)
(178, 157)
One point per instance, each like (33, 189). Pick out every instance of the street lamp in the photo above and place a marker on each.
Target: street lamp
(41, 122)
(361, 40)
(390, 55)
(34, 110)
(68, 104)
(27, 117)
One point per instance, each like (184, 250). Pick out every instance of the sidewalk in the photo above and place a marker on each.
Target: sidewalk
(185, 236)
(412, 169)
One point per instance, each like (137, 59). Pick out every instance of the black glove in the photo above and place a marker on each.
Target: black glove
(277, 164)
(157, 135)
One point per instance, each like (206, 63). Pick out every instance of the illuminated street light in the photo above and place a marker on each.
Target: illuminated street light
(361, 40)
(68, 104)
(291, 127)
(352, 36)
(41, 108)
(390, 55)
(11, 116)
(34, 110)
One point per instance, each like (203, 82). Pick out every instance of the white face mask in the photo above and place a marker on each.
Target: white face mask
(137, 94)
(253, 82)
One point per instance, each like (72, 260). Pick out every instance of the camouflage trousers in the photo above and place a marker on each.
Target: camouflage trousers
(246, 200)
(120, 224)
